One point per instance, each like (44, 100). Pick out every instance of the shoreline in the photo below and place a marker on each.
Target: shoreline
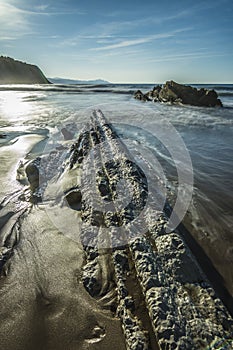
(152, 260)
(54, 272)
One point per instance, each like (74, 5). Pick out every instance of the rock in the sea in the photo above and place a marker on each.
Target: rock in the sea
(175, 93)
(140, 96)
(16, 72)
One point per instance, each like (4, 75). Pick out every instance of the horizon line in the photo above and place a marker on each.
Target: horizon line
(142, 82)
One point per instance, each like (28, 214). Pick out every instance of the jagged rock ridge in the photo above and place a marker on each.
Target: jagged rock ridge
(17, 72)
(172, 92)
(182, 308)
(152, 282)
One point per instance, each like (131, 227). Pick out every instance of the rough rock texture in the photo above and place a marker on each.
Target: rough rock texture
(5, 253)
(181, 309)
(16, 72)
(149, 280)
(142, 97)
(175, 93)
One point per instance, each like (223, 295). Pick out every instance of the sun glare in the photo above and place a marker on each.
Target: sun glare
(13, 105)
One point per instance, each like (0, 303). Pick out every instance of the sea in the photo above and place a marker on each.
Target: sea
(189, 148)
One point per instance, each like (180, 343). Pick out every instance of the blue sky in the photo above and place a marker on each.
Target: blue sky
(122, 41)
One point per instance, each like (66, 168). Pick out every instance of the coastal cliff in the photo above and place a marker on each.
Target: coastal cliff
(17, 72)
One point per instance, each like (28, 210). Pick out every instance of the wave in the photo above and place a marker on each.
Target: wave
(34, 98)
(214, 86)
(224, 87)
(227, 94)
(102, 87)
(78, 89)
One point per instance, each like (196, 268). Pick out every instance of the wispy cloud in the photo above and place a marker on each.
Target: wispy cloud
(138, 41)
(184, 56)
(127, 43)
(10, 14)
(137, 20)
(41, 7)
(16, 21)
(9, 8)
(75, 40)
(140, 21)
(13, 21)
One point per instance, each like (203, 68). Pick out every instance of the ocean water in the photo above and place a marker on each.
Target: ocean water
(169, 138)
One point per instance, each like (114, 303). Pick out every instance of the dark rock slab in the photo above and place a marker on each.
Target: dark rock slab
(142, 97)
(175, 93)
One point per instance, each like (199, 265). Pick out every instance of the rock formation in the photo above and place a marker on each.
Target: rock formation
(149, 280)
(16, 72)
(183, 309)
(174, 93)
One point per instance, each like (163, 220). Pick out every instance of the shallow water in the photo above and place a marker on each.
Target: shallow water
(29, 114)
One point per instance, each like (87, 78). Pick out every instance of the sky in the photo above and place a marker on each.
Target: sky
(122, 41)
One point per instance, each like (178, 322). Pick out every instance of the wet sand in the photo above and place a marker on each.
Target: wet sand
(43, 302)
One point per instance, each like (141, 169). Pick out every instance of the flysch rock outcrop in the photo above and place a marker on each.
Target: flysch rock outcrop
(174, 93)
(149, 279)
(17, 72)
(182, 307)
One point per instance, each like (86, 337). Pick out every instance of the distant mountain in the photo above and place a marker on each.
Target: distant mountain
(72, 81)
(17, 72)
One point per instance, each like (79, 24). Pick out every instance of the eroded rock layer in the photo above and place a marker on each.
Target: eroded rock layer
(181, 306)
(132, 267)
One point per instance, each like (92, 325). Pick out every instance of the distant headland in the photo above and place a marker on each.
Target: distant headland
(17, 72)
(76, 81)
